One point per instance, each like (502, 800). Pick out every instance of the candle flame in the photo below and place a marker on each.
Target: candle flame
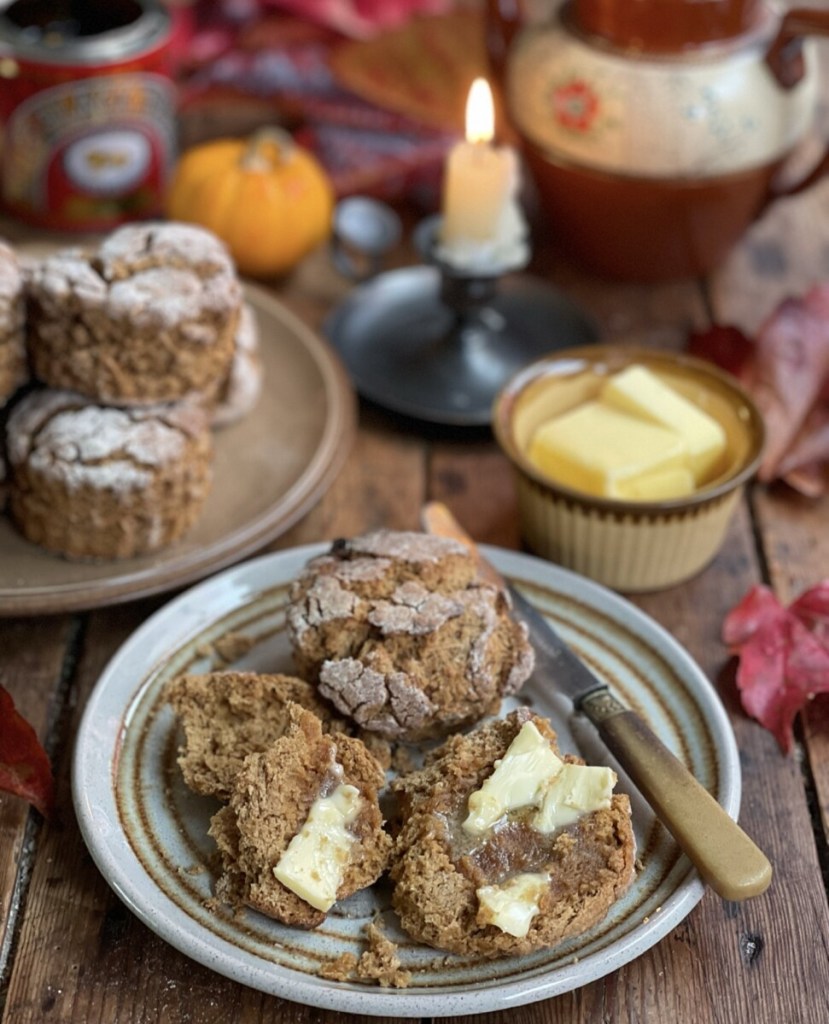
(480, 112)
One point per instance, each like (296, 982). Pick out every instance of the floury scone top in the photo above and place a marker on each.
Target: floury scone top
(638, 440)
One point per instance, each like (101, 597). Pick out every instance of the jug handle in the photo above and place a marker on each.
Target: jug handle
(785, 58)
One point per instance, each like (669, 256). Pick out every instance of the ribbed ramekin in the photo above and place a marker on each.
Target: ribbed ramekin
(627, 545)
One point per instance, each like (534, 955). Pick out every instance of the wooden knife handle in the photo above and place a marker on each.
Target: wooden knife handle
(720, 850)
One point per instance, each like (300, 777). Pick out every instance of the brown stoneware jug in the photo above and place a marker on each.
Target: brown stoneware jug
(656, 130)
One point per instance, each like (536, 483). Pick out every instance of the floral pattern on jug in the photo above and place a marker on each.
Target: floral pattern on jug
(575, 105)
(668, 117)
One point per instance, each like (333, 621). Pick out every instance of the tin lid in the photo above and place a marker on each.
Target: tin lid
(86, 32)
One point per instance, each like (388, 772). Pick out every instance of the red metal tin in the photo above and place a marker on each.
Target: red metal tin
(87, 111)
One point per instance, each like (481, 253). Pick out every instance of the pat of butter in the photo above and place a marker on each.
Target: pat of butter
(597, 448)
(641, 393)
(519, 780)
(512, 906)
(314, 863)
(676, 482)
(577, 789)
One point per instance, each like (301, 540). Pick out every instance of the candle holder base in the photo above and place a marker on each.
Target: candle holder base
(436, 342)
(438, 347)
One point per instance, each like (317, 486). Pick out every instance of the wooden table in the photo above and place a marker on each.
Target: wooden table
(71, 952)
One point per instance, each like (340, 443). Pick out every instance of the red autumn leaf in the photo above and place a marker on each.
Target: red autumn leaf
(24, 767)
(812, 608)
(724, 345)
(784, 659)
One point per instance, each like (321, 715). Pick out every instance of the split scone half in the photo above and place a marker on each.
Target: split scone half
(303, 827)
(225, 716)
(506, 845)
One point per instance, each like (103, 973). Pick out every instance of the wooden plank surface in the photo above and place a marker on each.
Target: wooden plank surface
(76, 955)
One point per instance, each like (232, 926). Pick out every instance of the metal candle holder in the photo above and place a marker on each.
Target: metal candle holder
(437, 343)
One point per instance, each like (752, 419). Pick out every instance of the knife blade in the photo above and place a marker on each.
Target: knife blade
(724, 855)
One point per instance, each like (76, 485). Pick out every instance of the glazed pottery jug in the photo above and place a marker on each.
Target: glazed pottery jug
(656, 130)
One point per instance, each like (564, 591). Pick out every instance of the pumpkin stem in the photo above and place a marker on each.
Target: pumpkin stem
(266, 148)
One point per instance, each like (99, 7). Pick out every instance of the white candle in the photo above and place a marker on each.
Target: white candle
(482, 224)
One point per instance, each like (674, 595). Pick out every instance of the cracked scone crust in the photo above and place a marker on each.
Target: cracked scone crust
(270, 801)
(403, 637)
(150, 316)
(227, 715)
(93, 482)
(436, 868)
(13, 368)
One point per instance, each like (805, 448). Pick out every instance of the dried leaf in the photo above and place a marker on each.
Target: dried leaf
(812, 442)
(786, 370)
(787, 374)
(24, 767)
(784, 657)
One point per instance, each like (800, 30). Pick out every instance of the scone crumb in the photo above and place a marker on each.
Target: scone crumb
(380, 961)
(340, 969)
(403, 759)
(233, 646)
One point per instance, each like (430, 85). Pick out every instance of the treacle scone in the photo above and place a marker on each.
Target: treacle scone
(507, 846)
(303, 827)
(240, 390)
(95, 482)
(149, 316)
(13, 366)
(227, 715)
(403, 636)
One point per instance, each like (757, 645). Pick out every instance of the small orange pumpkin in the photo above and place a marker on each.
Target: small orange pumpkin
(266, 197)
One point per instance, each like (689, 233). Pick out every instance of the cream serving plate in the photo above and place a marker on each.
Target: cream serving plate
(148, 833)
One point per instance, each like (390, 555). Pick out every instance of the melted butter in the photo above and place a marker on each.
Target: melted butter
(315, 861)
(518, 780)
(577, 789)
(513, 905)
(531, 776)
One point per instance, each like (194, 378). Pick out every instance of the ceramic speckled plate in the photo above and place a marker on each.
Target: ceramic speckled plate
(269, 470)
(147, 832)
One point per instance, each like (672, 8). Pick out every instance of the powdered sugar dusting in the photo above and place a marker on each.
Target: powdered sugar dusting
(406, 546)
(325, 601)
(60, 435)
(169, 296)
(151, 276)
(415, 610)
(69, 275)
(136, 247)
(387, 704)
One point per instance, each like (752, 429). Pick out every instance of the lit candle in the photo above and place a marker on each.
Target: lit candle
(482, 224)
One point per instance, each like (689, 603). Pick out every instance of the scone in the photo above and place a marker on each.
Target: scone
(239, 391)
(227, 715)
(303, 826)
(92, 482)
(13, 368)
(149, 316)
(505, 846)
(403, 637)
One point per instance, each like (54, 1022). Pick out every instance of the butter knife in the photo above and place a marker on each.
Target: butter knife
(726, 858)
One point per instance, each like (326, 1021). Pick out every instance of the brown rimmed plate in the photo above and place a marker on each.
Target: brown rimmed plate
(148, 834)
(269, 470)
